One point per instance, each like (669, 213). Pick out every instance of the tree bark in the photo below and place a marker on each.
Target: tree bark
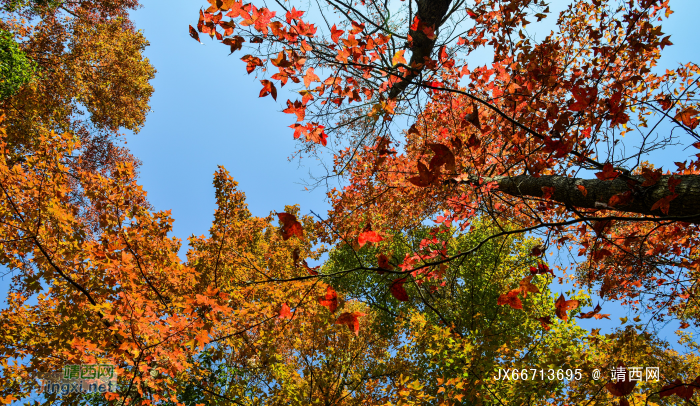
(685, 207)
(430, 13)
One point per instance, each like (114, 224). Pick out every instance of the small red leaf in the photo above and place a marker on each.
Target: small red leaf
(650, 177)
(310, 77)
(583, 190)
(383, 263)
(562, 306)
(672, 183)
(290, 226)
(367, 235)
(285, 312)
(608, 173)
(398, 291)
(251, 62)
(268, 88)
(590, 314)
(194, 34)
(511, 299)
(329, 300)
(312, 271)
(351, 320)
(664, 204)
(689, 117)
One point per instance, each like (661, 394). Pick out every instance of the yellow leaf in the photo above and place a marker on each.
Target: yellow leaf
(398, 58)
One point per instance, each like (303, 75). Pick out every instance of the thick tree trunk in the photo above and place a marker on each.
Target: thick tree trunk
(599, 192)
(430, 13)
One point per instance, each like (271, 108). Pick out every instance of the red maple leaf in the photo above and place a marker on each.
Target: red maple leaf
(251, 62)
(678, 388)
(650, 177)
(672, 183)
(608, 173)
(268, 88)
(511, 299)
(313, 271)
(689, 117)
(584, 97)
(367, 235)
(541, 269)
(290, 226)
(285, 312)
(336, 33)
(235, 43)
(329, 300)
(664, 204)
(296, 108)
(425, 176)
(562, 306)
(593, 313)
(383, 263)
(351, 320)
(310, 76)
(443, 156)
(398, 291)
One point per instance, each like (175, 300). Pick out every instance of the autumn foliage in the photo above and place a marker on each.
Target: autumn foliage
(429, 275)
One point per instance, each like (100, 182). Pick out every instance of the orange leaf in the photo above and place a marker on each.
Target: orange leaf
(590, 314)
(268, 88)
(310, 77)
(583, 190)
(251, 62)
(398, 58)
(688, 117)
(528, 287)
(562, 306)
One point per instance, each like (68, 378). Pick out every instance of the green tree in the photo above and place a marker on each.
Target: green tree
(16, 69)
